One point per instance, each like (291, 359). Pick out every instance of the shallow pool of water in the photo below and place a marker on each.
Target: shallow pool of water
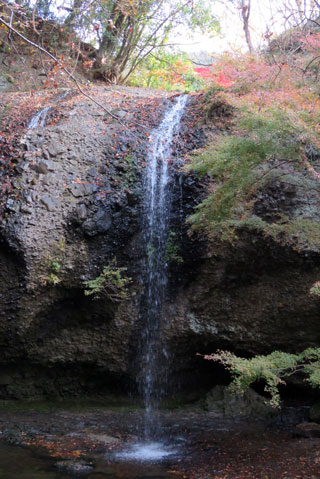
(191, 445)
(20, 463)
(139, 462)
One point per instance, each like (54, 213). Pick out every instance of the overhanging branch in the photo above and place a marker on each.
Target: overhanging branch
(58, 62)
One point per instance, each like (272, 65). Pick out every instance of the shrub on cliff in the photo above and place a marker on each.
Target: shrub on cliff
(272, 127)
(237, 165)
(110, 284)
(272, 369)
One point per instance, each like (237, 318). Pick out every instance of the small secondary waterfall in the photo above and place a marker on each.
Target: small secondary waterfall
(39, 119)
(157, 209)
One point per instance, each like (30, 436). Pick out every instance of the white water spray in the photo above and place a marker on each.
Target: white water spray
(39, 119)
(154, 356)
(157, 207)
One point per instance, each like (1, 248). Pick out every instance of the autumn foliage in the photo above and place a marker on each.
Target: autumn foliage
(275, 120)
(257, 83)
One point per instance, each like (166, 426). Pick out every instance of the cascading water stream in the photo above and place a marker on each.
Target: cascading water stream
(157, 208)
(39, 119)
(153, 364)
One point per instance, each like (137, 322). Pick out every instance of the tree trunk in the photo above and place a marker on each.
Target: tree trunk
(245, 13)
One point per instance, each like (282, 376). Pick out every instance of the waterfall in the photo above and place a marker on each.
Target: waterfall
(39, 119)
(157, 209)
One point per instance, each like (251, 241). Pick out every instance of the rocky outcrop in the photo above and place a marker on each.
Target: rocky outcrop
(220, 401)
(252, 296)
(74, 208)
(314, 413)
(77, 205)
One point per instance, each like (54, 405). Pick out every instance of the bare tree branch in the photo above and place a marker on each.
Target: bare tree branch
(58, 62)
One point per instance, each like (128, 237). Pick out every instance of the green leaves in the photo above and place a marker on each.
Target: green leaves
(110, 284)
(166, 70)
(202, 17)
(272, 369)
(238, 165)
(315, 290)
(172, 251)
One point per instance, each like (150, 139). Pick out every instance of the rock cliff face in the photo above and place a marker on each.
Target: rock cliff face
(77, 205)
(253, 296)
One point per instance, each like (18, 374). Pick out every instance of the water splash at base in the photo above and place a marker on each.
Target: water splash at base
(147, 452)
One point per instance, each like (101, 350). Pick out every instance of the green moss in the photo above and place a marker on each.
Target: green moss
(130, 172)
(299, 231)
(8, 77)
(52, 263)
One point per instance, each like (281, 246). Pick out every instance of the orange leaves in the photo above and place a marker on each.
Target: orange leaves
(88, 64)
(311, 42)
(243, 72)
(170, 75)
(251, 82)
(78, 181)
(58, 447)
(52, 80)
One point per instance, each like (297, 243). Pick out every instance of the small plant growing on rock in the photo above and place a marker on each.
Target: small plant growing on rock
(51, 278)
(315, 290)
(172, 250)
(55, 265)
(110, 284)
(52, 263)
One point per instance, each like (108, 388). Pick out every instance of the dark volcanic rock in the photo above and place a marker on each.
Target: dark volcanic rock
(314, 413)
(72, 217)
(62, 230)
(99, 224)
(74, 467)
